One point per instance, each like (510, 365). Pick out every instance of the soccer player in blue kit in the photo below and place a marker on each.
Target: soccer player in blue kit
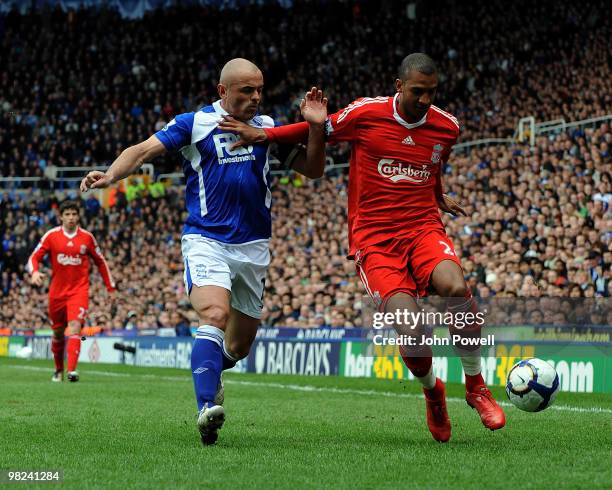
(225, 242)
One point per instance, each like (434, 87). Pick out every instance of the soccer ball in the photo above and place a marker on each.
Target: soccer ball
(532, 385)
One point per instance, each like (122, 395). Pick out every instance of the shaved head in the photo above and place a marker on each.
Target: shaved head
(240, 88)
(237, 69)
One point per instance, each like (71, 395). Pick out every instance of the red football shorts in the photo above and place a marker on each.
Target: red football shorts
(403, 265)
(64, 310)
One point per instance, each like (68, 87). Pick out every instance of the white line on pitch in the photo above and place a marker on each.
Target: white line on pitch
(310, 388)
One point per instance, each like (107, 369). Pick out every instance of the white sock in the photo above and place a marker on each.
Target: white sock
(227, 354)
(429, 380)
(212, 333)
(471, 362)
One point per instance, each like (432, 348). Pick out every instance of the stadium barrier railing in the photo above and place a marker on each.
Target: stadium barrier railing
(59, 180)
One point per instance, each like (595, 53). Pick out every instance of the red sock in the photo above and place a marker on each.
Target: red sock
(471, 382)
(74, 349)
(436, 392)
(57, 348)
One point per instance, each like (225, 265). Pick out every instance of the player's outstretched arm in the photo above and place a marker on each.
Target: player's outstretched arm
(247, 135)
(289, 134)
(314, 111)
(130, 160)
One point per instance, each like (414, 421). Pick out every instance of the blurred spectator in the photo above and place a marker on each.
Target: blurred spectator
(520, 238)
(181, 325)
(114, 82)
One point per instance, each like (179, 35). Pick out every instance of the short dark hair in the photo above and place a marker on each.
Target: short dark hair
(418, 62)
(66, 205)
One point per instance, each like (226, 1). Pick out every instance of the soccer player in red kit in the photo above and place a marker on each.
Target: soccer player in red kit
(396, 235)
(69, 248)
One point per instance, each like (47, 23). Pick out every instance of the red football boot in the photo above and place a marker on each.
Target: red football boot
(437, 416)
(491, 414)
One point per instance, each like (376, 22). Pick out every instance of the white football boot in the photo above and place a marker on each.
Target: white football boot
(210, 420)
(220, 395)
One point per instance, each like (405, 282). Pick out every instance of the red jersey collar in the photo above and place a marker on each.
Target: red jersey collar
(399, 119)
(69, 235)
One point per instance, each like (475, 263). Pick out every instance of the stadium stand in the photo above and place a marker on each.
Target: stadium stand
(539, 216)
(538, 225)
(114, 82)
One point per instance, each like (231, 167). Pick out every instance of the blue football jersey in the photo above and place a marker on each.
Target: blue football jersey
(227, 193)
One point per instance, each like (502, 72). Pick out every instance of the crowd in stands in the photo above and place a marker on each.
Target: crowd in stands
(115, 82)
(539, 219)
(539, 224)
(141, 242)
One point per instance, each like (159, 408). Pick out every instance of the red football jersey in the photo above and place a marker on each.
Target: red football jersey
(395, 167)
(70, 261)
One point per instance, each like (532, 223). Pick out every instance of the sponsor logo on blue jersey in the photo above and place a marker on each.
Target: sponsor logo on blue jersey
(227, 192)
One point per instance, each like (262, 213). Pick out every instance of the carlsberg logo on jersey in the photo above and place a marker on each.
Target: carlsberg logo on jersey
(223, 145)
(396, 171)
(68, 259)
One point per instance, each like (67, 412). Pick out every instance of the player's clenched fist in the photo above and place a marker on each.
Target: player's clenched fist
(95, 180)
(37, 278)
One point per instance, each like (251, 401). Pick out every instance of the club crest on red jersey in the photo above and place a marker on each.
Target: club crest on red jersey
(436, 155)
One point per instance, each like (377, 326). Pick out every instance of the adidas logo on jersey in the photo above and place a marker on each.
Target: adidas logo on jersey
(408, 141)
(70, 244)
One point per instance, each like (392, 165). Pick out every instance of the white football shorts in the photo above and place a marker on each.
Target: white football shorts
(241, 269)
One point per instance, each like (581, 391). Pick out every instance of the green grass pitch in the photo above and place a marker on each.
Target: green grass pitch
(125, 427)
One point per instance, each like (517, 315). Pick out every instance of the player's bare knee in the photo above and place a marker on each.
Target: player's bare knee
(400, 302)
(238, 348)
(456, 289)
(214, 315)
(399, 305)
